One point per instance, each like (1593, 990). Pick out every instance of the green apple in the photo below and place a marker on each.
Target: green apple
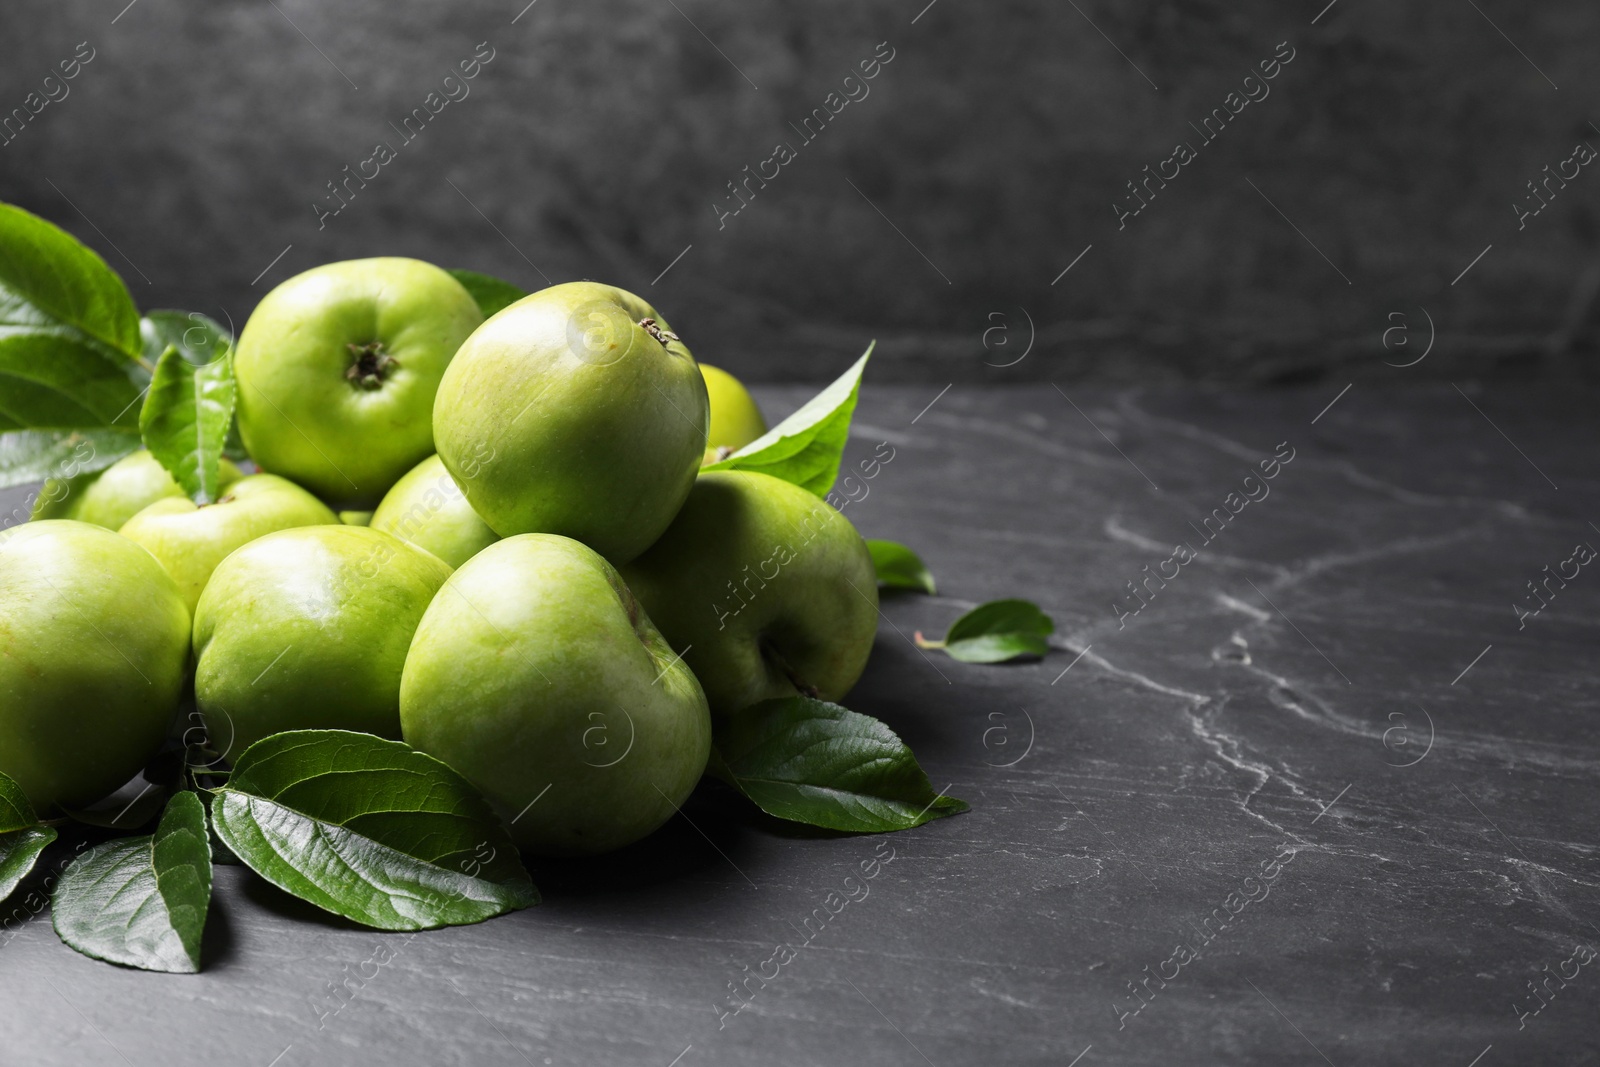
(337, 370)
(536, 676)
(112, 496)
(735, 419)
(94, 654)
(574, 411)
(427, 509)
(767, 590)
(190, 540)
(356, 518)
(307, 629)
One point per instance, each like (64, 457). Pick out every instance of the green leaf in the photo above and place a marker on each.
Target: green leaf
(60, 278)
(198, 338)
(899, 568)
(806, 447)
(69, 332)
(19, 851)
(21, 836)
(16, 811)
(492, 294)
(38, 455)
(995, 632)
(370, 829)
(186, 419)
(141, 901)
(813, 762)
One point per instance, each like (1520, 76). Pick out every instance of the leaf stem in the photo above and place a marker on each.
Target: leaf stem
(923, 642)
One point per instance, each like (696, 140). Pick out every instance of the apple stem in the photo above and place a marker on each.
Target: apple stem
(922, 642)
(657, 332)
(372, 365)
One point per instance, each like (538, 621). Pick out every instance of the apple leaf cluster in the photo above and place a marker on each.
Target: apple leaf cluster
(76, 359)
(365, 828)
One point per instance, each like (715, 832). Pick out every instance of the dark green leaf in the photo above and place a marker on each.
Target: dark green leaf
(997, 631)
(19, 851)
(69, 332)
(198, 338)
(48, 271)
(491, 293)
(21, 836)
(186, 419)
(370, 829)
(16, 811)
(899, 568)
(818, 763)
(50, 379)
(806, 447)
(141, 901)
(38, 455)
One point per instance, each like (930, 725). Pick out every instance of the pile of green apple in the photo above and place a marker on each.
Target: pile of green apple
(421, 575)
(489, 537)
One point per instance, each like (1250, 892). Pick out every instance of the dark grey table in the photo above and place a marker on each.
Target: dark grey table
(1325, 798)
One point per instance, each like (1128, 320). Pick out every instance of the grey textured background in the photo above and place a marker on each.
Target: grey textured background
(985, 159)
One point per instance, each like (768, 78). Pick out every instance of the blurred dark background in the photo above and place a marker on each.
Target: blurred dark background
(936, 213)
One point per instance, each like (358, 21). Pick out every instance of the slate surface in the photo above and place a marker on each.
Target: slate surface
(1324, 758)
